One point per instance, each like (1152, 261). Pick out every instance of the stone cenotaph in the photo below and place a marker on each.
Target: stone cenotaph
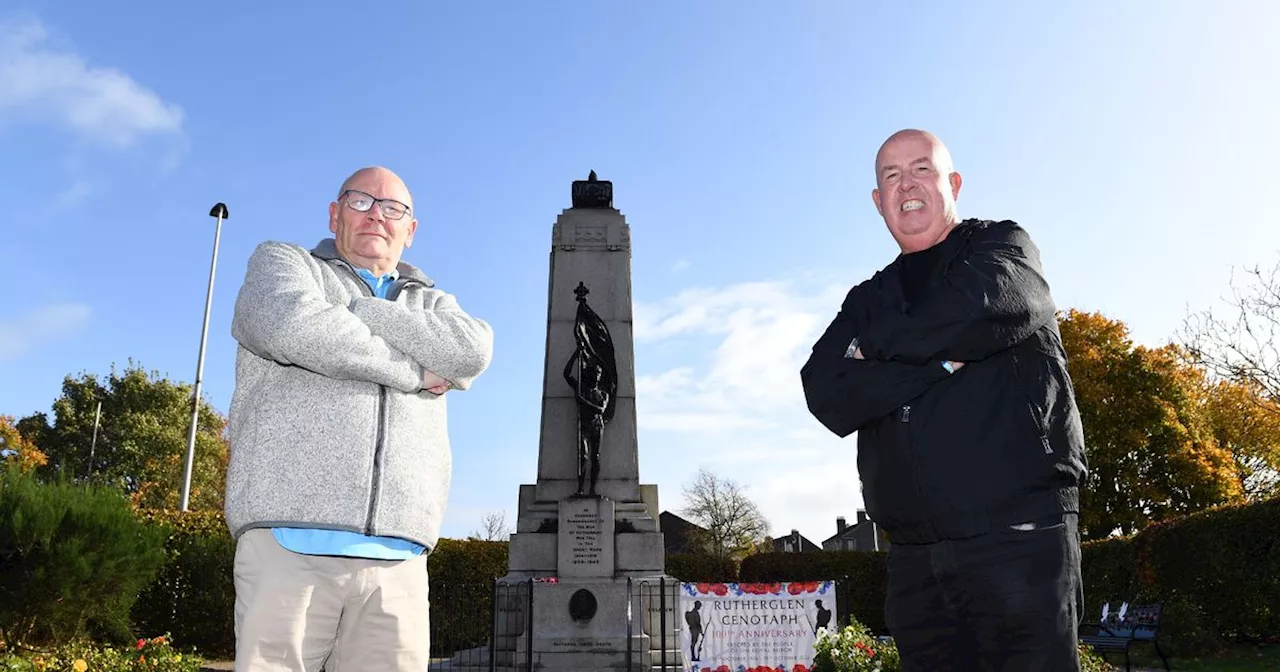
(585, 566)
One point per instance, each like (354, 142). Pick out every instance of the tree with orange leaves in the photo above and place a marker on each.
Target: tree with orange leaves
(17, 452)
(1150, 439)
(1246, 422)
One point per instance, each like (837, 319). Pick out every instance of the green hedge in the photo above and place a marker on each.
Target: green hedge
(72, 561)
(193, 596)
(462, 574)
(1226, 561)
(1217, 574)
(699, 567)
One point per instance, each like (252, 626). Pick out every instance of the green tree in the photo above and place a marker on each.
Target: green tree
(142, 438)
(1152, 449)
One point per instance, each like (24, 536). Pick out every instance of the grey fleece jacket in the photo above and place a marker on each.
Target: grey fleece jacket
(329, 425)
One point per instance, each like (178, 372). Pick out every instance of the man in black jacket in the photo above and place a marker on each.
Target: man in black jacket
(949, 365)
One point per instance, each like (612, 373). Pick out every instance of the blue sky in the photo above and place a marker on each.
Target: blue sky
(1137, 143)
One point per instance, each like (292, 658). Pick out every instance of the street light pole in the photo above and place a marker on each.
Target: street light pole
(97, 416)
(220, 212)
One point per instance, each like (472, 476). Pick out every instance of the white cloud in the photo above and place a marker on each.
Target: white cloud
(682, 265)
(736, 407)
(43, 326)
(74, 194)
(43, 82)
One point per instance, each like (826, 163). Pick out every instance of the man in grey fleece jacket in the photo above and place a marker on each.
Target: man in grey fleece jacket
(340, 458)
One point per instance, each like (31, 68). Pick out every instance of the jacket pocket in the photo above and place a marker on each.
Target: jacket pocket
(1031, 407)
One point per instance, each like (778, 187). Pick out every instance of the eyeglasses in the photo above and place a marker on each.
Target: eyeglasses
(362, 202)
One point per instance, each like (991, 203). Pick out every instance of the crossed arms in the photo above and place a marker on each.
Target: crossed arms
(281, 314)
(992, 297)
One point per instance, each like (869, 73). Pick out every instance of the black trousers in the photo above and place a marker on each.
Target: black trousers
(1009, 601)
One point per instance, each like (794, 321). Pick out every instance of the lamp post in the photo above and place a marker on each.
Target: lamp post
(97, 417)
(219, 211)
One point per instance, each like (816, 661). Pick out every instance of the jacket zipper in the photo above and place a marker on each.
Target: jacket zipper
(904, 440)
(380, 411)
(1032, 408)
(379, 414)
(374, 490)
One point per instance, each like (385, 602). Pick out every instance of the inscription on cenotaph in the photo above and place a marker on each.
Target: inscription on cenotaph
(586, 537)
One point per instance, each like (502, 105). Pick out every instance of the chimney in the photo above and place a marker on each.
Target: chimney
(862, 516)
(840, 526)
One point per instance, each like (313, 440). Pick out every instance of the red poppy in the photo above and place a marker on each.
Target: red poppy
(720, 589)
(704, 588)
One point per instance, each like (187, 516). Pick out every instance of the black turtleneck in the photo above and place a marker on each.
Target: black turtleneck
(918, 270)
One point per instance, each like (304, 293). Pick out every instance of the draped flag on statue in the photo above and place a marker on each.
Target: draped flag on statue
(732, 627)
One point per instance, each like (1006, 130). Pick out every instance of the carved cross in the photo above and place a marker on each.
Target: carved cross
(581, 292)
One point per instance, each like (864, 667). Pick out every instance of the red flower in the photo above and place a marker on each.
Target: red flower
(799, 668)
(720, 589)
(141, 643)
(704, 588)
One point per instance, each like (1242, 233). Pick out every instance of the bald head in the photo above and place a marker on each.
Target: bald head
(941, 156)
(916, 189)
(379, 174)
(364, 233)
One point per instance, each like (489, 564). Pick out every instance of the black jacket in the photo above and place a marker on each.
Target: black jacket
(952, 455)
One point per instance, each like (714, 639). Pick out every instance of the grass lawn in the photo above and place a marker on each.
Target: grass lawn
(1236, 658)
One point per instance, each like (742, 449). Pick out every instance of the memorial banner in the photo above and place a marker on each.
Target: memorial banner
(741, 627)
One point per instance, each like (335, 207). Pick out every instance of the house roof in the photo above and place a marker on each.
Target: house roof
(676, 532)
(806, 546)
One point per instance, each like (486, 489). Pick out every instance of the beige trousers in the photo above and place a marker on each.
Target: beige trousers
(304, 613)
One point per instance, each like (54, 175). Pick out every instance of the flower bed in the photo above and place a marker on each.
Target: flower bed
(153, 655)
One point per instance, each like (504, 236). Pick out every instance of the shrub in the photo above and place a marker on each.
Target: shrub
(73, 559)
(462, 573)
(193, 595)
(467, 561)
(1092, 661)
(700, 567)
(153, 655)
